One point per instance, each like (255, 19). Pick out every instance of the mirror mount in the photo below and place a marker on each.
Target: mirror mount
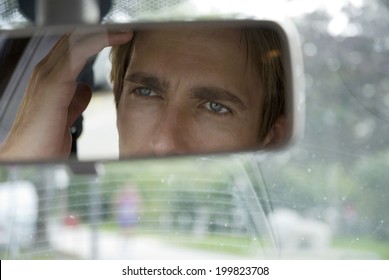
(68, 12)
(88, 168)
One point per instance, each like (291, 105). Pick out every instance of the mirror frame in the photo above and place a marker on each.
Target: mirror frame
(292, 61)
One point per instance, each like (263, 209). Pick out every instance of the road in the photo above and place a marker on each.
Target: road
(77, 241)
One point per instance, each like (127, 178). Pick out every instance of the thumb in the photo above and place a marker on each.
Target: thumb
(80, 101)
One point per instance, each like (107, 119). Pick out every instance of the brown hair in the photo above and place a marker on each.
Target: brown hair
(263, 47)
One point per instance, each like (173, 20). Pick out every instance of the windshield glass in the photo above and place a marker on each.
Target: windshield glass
(16, 14)
(324, 198)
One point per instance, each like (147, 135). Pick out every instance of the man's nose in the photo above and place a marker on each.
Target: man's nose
(169, 137)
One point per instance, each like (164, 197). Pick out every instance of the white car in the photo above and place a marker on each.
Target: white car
(18, 216)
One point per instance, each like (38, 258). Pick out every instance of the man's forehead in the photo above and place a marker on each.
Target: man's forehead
(212, 47)
(201, 36)
(211, 56)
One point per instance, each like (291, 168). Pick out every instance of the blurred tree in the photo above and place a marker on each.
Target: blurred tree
(347, 117)
(345, 79)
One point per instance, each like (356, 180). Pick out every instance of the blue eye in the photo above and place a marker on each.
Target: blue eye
(217, 107)
(145, 92)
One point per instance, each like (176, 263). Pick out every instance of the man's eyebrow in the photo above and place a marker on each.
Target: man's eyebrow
(147, 80)
(217, 94)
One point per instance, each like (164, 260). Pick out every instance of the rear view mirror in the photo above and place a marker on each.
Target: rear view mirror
(176, 88)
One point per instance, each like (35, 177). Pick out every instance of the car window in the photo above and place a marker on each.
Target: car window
(11, 51)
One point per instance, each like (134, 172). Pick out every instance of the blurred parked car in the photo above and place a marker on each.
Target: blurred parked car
(18, 215)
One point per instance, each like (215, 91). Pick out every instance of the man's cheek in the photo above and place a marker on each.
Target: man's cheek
(134, 126)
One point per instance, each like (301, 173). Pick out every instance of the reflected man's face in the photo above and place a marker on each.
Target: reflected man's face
(189, 91)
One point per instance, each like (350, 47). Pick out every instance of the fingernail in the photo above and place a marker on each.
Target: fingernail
(124, 30)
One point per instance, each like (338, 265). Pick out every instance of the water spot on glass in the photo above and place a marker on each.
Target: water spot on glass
(364, 128)
(325, 198)
(355, 58)
(343, 198)
(309, 170)
(308, 80)
(379, 45)
(353, 29)
(354, 240)
(310, 49)
(171, 180)
(386, 99)
(357, 4)
(382, 221)
(338, 24)
(386, 43)
(329, 117)
(333, 64)
(368, 90)
(384, 84)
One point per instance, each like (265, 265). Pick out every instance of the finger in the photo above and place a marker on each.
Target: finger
(66, 145)
(80, 101)
(57, 73)
(80, 50)
(69, 55)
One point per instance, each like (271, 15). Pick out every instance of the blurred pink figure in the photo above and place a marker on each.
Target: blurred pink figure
(127, 204)
(127, 208)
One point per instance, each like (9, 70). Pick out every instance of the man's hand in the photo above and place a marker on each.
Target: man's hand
(53, 100)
